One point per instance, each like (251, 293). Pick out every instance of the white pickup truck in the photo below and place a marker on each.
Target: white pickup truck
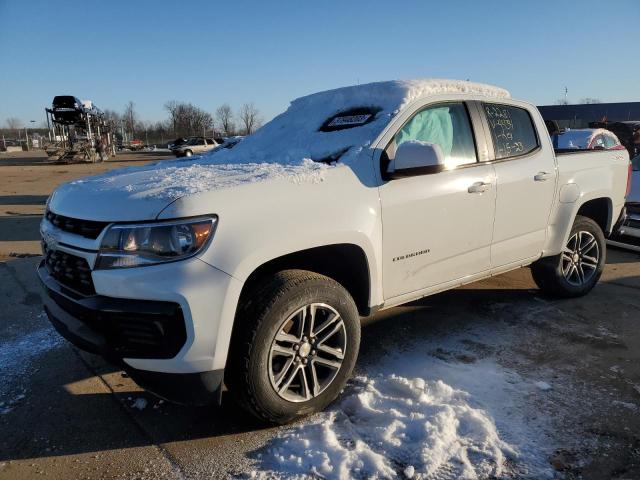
(251, 267)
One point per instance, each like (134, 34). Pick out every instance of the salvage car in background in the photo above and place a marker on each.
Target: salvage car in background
(67, 109)
(586, 139)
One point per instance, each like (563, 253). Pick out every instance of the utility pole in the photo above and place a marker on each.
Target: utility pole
(566, 92)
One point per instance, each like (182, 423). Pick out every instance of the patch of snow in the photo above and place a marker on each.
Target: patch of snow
(16, 358)
(544, 386)
(409, 472)
(627, 405)
(433, 419)
(140, 403)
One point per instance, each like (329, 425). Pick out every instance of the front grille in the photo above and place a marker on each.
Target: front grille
(69, 270)
(86, 228)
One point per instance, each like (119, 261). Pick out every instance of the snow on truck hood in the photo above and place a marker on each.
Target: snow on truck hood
(298, 144)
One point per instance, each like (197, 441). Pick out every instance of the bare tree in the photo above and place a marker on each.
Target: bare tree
(224, 116)
(130, 117)
(187, 119)
(14, 123)
(561, 101)
(172, 107)
(250, 118)
(590, 100)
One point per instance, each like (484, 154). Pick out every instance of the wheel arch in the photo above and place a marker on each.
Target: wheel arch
(345, 263)
(600, 210)
(597, 208)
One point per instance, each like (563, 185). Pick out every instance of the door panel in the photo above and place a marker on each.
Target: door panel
(523, 206)
(526, 181)
(434, 229)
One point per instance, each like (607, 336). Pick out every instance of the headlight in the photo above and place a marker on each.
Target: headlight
(152, 243)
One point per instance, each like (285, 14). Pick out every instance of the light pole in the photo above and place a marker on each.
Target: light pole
(30, 121)
(26, 134)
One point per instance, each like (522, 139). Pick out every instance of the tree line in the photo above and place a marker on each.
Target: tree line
(184, 120)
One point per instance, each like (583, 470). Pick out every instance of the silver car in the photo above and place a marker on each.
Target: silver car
(194, 146)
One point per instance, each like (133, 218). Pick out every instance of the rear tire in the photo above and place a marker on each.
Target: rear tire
(575, 271)
(285, 363)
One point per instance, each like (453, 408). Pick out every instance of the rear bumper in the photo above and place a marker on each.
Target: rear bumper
(117, 328)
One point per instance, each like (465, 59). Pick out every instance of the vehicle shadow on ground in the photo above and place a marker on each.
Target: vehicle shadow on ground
(97, 419)
(23, 199)
(20, 161)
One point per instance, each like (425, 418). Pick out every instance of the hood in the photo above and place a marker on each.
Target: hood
(141, 193)
(314, 134)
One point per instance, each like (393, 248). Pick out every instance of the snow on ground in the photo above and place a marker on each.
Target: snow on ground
(17, 357)
(435, 411)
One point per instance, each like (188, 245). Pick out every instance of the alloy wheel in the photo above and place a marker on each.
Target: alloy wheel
(307, 352)
(580, 258)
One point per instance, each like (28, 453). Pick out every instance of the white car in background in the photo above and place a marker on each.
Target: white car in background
(586, 139)
(252, 267)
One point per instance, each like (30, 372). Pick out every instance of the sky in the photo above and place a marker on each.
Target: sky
(209, 53)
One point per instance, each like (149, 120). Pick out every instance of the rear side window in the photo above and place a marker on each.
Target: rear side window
(511, 129)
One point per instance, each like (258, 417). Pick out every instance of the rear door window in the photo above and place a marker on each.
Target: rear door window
(512, 130)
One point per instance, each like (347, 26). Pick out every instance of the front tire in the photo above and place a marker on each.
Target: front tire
(578, 268)
(188, 153)
(295, 343)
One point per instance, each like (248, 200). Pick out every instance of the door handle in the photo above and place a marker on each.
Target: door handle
(542, 176)
(479, 187)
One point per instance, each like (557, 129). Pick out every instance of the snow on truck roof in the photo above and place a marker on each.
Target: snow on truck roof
(402, 92)
(300, 143)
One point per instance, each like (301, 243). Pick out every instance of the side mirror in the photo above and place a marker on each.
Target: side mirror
(415, 157)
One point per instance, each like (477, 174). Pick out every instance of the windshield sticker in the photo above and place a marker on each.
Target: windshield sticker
(349, 120)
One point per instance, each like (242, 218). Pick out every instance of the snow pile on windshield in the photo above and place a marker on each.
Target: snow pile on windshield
(289, 145)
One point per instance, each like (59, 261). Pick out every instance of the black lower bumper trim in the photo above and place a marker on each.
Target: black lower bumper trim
(123, 327)
(89, 322)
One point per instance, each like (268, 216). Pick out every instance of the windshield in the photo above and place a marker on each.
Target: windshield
(194, 141)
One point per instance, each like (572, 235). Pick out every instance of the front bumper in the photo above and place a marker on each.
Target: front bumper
(155, 341)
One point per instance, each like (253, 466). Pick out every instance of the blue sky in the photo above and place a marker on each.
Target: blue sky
(208, 52)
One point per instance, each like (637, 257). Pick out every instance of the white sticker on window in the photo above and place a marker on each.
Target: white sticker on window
(349, 120)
